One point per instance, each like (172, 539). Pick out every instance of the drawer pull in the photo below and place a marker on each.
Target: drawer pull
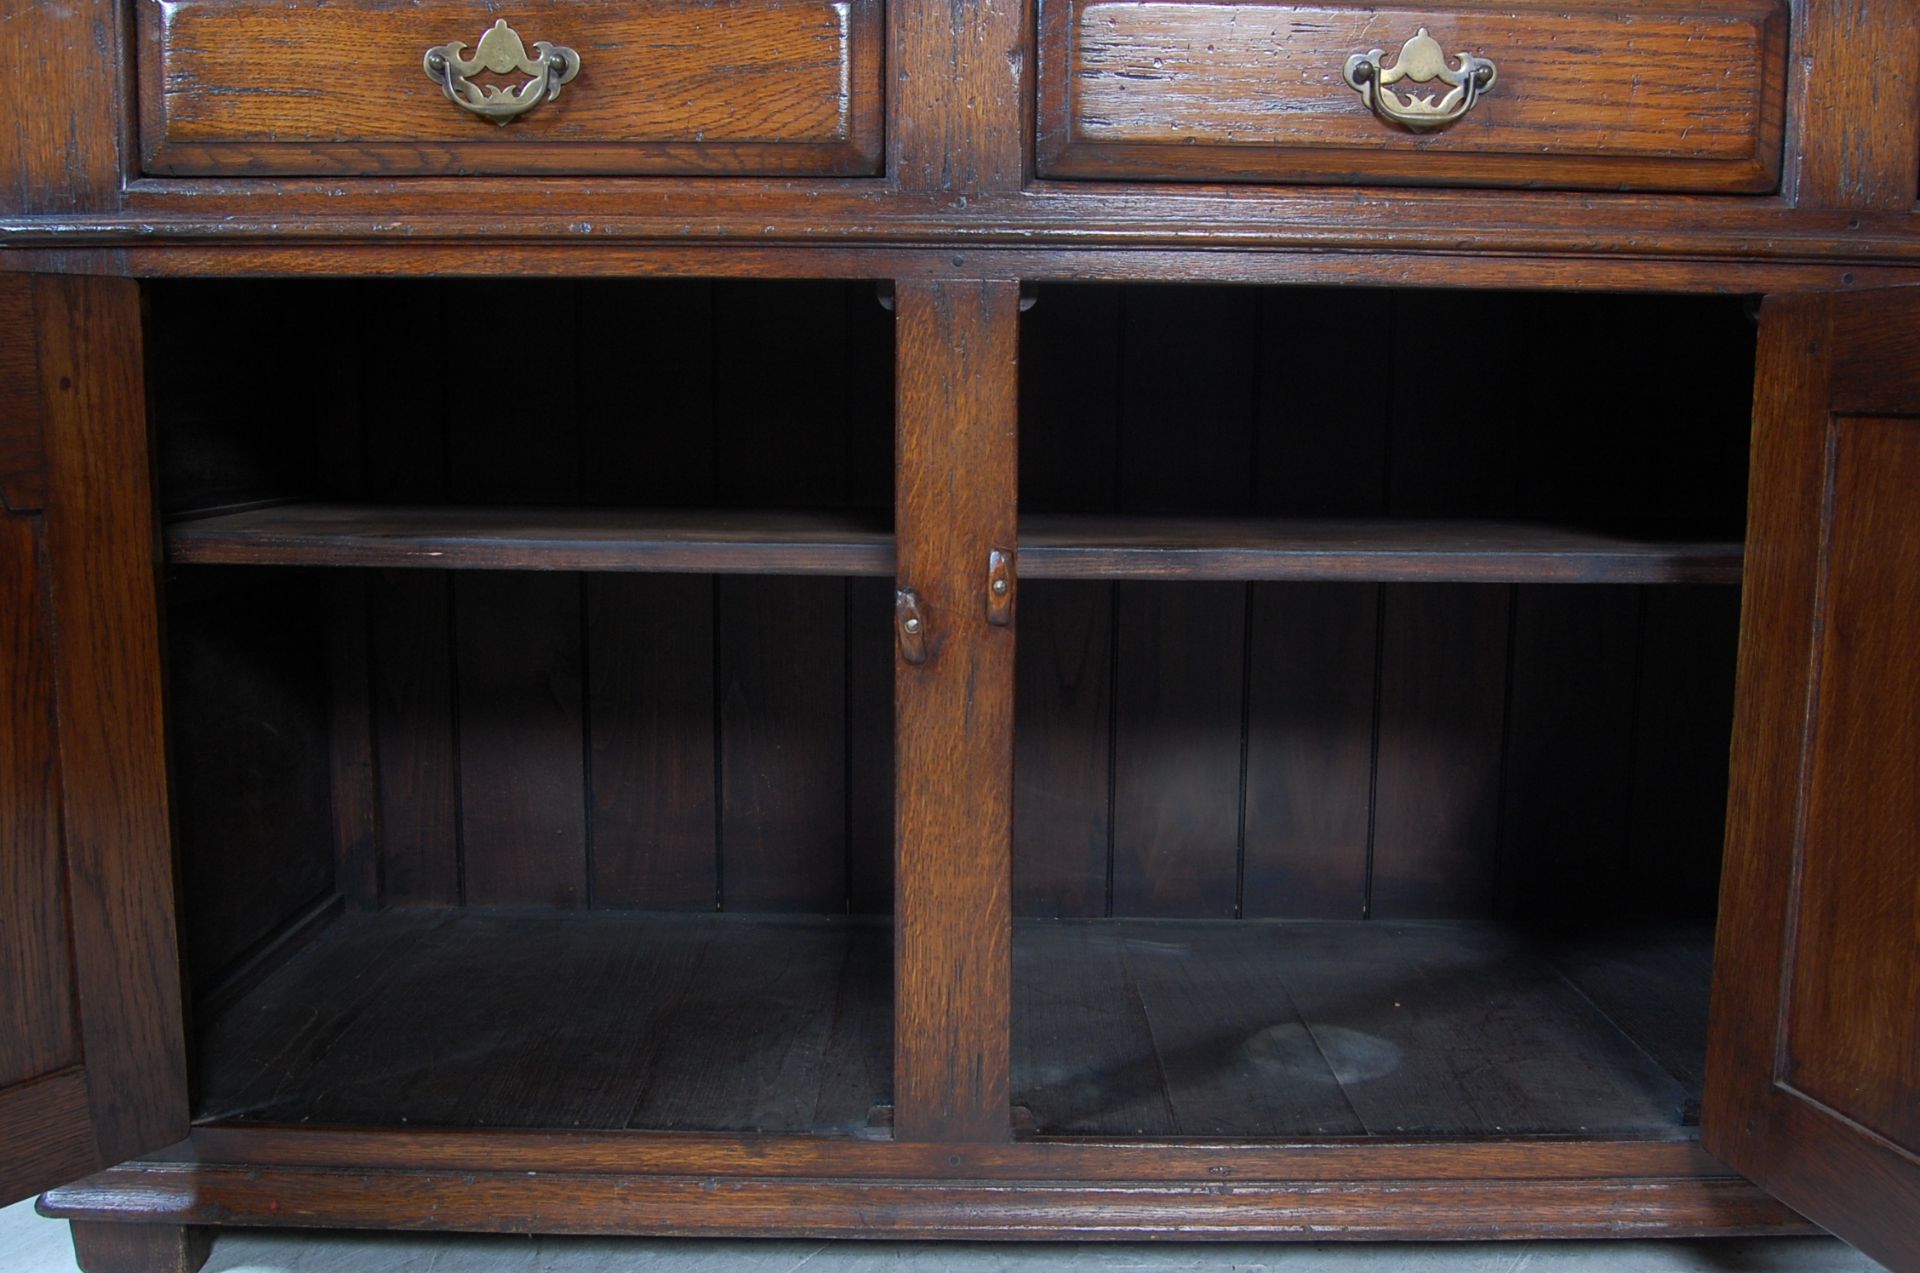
(501, 52)
(1422, 61)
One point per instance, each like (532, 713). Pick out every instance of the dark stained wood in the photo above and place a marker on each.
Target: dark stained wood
(249, 731)
(38, 1034)
(49, 1133)
(957, 122)
(140, 1248)
(956, 376)
(1186, 426)
(1382, 549)
(1290, 255)
(1442, 1029)
(1084, 1060)
(505, 1201)
(519, 656)
(1062, 748)
(1651, 982)
(418, 787)
(1179, 690)
(783, 753)
(1811, 1083)
(23, 461)
(1029, 1159)
(781, 434)
(761, 86)
(1249, 1029)
(70, 154)
(1313, 662)
(353, 771)
(522, 740)
(1053, 546)
(1320, 450)
(501, 1019)
(870, 865)
(541, 538)
(649, 641)
(650, 697)
(1070, 393)
(1566, 791)
(1650, 96)
(100, 552)
(1443, 666)
(400, 347)
(1855, 147)
(1684, 718)
(777, 1012)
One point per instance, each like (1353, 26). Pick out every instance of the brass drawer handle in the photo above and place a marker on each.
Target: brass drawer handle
(1421, 60)
(501, 52)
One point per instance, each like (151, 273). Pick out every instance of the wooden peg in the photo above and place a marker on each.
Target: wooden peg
(910, 625)
(1000, 588)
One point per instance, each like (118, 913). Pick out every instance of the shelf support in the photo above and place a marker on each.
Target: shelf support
(955, 502)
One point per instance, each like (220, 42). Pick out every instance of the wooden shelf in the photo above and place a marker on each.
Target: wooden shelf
(715, 541)
(1384, 550)
(835, 543)
(564, 1019)
(627, 1019)
(1318, 1028)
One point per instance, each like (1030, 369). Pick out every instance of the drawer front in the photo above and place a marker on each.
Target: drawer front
(326, 87)
(1673, 96)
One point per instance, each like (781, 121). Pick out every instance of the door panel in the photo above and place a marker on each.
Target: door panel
(1813, 1085)
(92, 1058)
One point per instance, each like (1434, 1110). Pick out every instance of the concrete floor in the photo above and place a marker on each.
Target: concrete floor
(29, 1244)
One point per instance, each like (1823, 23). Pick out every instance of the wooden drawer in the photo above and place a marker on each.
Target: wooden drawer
(1684, 95)
(662, 86)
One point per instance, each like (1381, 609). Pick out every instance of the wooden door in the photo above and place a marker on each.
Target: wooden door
(1813, 1084)
(92, 1064)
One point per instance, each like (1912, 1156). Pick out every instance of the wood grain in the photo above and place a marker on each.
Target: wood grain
(257, 87)
(1855, 147)
(49, 1134)
(23, 461)
(956, 451)
(74, 156)
(1821, 813)
(957, 98)
(725, 1024)
(506, 1201)
(38, 1033)
(1313, 663)
(1649, 96)
(101, 546)
(249, 728)
(1054, 546)
(140, 1248)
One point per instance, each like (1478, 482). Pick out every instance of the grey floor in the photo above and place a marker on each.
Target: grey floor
(29, 1244)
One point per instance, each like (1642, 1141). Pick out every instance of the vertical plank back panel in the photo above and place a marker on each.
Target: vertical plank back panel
(781, 642)
(649, 638)
(402, 356)
(1063, 701)
(1186, 430)
(518, 650)
(1320, 451)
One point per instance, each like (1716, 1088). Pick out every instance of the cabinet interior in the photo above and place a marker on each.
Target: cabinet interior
(531, 704)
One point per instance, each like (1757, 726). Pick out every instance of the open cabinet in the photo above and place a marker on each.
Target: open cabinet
(1143, 764)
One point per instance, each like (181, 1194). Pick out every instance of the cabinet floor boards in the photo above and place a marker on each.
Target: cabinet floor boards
(1327, 1028)
(595, 1020)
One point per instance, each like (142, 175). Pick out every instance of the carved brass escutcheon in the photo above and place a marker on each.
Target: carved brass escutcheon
(501, 52)
(1422, 61)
